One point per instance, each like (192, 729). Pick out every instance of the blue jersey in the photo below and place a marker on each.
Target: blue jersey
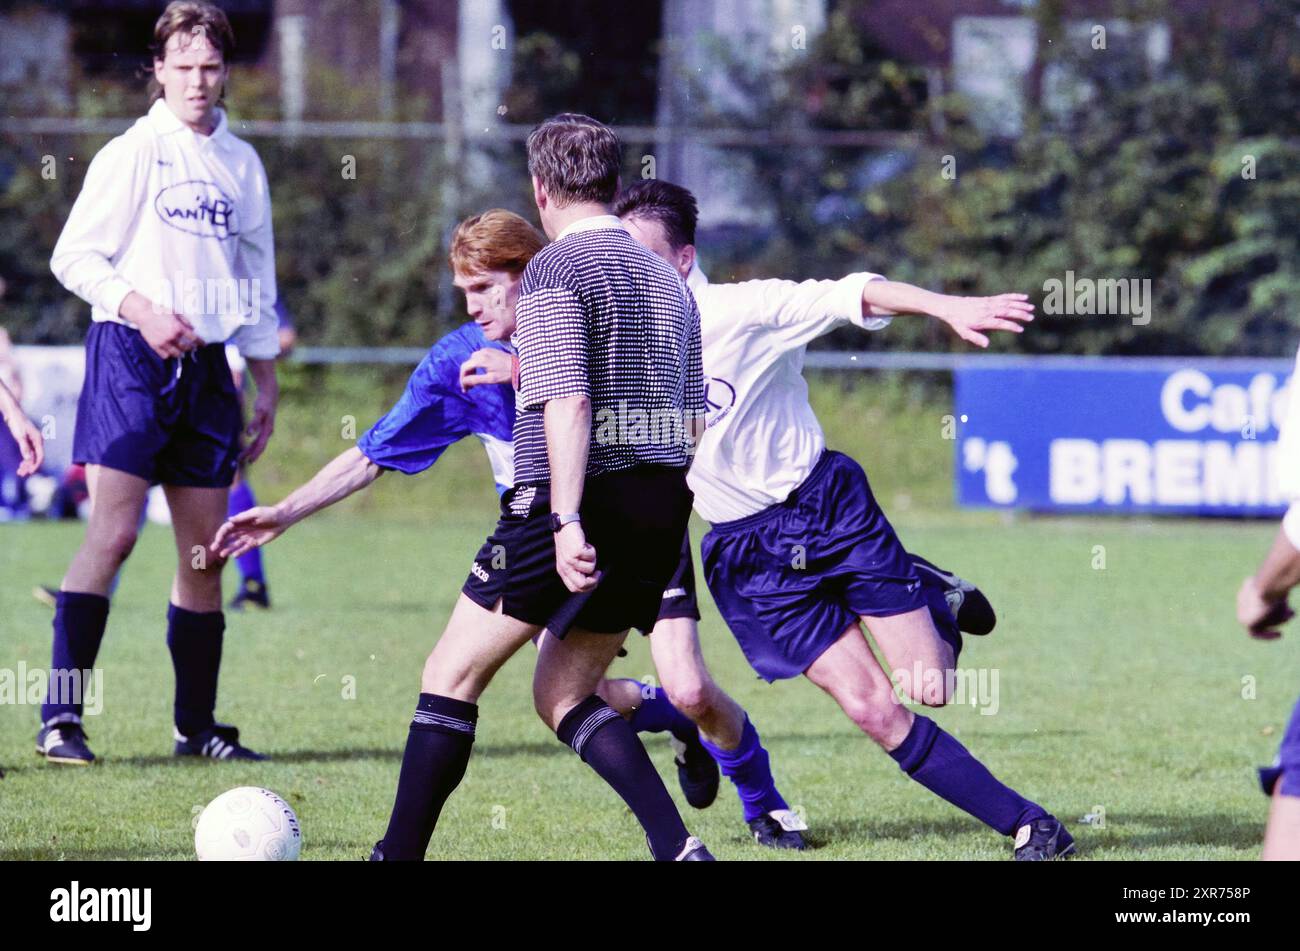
(434, 412)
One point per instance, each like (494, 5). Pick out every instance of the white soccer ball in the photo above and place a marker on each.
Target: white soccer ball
(247, 824)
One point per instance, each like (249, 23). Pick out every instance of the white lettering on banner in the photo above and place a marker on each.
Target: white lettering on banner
(998, 463)
(1190, 402)
(1126, 470)
(1177, 473)
(1237, 475)
(1074, 467)
(1172, 400)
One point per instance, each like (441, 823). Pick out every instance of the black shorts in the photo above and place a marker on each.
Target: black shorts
(678, 599)
(635, 519)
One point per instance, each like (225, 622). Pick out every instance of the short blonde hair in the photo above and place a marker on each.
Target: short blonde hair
(497, 240)
(192, 17)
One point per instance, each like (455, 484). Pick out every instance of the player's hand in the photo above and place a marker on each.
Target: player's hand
(971, 318)
(260, 427)
(497, 367)
(1260, 617)
(251, 528)
(30, 443)
(169, 334)
(575, 560)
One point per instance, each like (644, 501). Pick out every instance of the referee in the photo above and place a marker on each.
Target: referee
(610, 400)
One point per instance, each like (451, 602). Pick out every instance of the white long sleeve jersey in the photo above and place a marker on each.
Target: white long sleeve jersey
(183, 219)
(763, 439)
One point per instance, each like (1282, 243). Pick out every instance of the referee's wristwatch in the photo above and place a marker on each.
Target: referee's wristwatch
(558, 521)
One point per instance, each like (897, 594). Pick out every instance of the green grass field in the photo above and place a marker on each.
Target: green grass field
(1119, 688)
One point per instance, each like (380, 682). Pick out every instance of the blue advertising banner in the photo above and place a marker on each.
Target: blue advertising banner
(1177, 436)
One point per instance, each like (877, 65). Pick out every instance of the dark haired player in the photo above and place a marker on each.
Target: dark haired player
(773, 491)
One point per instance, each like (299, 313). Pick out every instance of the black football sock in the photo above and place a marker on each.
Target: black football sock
(79, 622)
(194, 639)
(437, 752)
(609, 745)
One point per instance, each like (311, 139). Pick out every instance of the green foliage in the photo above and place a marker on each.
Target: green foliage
(1138, 171)
(358, 221)
(1183, 175)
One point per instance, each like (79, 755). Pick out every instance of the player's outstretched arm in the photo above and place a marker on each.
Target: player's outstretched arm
(28, 437)
(1261, 599)
(347, 473)
(971, 318)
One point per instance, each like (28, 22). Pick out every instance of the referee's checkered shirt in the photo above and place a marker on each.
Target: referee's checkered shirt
(600, 315)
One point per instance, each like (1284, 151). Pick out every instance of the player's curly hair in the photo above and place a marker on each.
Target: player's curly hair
(497, 240)
(193, 17)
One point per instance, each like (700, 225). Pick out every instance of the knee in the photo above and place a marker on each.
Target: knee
(551, 702)
(429, 679)
(877, 714)
(929, 680)
(621, 695)
(933, 688)
(201, 565)
(447, 680)
(116, 545)
(692, 695)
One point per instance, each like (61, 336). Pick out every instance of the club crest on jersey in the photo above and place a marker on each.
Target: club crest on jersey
(719, 398)
(199, 208)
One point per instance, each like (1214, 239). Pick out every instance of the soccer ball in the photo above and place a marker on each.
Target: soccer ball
(247, 824)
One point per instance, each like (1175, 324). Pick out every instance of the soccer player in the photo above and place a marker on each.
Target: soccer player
(170, 243)
(586, 516)
(1261, 609)
(488, 254)
(800, 552)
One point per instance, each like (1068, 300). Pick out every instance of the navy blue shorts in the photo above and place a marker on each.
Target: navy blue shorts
(174, 421)
(791, 579)
(1286, 768)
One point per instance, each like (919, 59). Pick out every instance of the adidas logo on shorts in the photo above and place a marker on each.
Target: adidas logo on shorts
(479, 571)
